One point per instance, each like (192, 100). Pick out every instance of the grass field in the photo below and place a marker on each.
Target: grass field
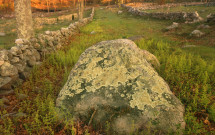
(189, 72)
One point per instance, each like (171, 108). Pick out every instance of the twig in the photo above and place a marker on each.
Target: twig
(91, 119)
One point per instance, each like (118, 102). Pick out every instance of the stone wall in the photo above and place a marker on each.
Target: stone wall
(16, 63)
(176, 16)
(38, 22)
(152, 6)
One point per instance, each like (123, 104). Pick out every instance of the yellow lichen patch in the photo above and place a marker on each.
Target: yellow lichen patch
(142, 98)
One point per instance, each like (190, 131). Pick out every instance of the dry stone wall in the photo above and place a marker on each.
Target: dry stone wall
(38, 22)
(151, 6)
(176, 16)
(16, 63)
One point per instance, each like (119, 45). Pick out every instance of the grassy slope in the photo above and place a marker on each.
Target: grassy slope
(190, 77)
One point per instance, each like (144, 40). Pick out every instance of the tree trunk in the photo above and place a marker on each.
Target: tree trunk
(74, 3)
(80, 9)
(24, 19)
(94, 2)
(48, 5)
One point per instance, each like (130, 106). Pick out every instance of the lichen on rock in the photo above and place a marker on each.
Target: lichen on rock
(115, 79)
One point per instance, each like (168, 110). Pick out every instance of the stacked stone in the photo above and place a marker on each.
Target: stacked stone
(38, 22)
(181, 16)
(68, 17)
(211, 18)
(15, 64)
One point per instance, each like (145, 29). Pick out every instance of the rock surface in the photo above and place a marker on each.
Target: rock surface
(197, 33)
(112, 81)
(203, 26)
(2, 34)
(8, 70)
(119, 12)
(173, 26)
(5, 83)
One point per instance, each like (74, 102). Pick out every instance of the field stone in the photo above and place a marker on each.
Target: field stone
(8, 70)
(1, 62)
(15, 50)
(197, 33)
(2, 34)
(20, 67)
(203, 26)
(15, 60)
(92, 32)
(4, 55)
(173, 26)
(5, 83)
(119, 12)
(19, 41)
(31, 61)
(114, 80)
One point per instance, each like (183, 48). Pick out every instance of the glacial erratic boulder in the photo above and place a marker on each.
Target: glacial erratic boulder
(112, 81)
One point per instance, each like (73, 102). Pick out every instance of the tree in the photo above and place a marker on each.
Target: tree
(80, 9)
(24, 19)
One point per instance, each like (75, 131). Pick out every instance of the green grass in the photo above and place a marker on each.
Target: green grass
(191, 77)
(202, 10)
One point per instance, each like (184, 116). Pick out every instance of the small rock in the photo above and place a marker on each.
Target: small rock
(20, 67)
(14, 60)
(2, 34)
(28, 52)
(93, 32)
(15, 50)
(173, 26)
(197, 33)
(47, 32)
(31, 61)
(1, 62)
(203, 26)
(119, 12)
(21, 96)
(4, 55)
(19, 41)
(24, 47)
(8, 70)
(37, 46)
(5, 83)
